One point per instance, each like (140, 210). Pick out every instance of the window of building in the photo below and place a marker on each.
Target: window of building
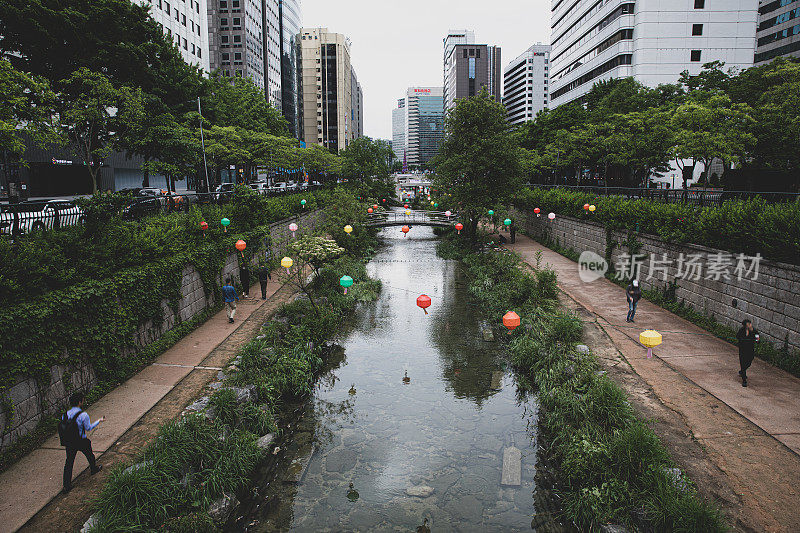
(199, 52)
(183, 20)
(185, 45)
(237, 38)
(699, 4)
(472, 52)
(177, 15)
(235, 3)
(224, 38)
(226, 56)
(237, 21)
(696, 55)
(472, 68)
(697, 29)
(166, 8)
(466, 53)
(223, 22)
(223, 4)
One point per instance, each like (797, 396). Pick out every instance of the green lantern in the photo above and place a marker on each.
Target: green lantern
(435, 205)
(225, 223)
(507, 222)
(346, 282)
(491, 212)
(303, 202)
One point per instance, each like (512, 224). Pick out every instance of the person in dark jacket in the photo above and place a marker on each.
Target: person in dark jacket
(633, 293)
(263, 276)
(244, 277)
(230, 298)
(513, 231)
(83, 445)
(748, 337)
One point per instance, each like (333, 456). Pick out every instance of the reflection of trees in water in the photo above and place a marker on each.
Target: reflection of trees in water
(331, 416)
(467, 361)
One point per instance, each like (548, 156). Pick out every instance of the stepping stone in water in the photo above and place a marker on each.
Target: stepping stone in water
(512, 467)
(420, 491)
(497, 380)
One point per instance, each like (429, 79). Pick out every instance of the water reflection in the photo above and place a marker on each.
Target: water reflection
(409, 432)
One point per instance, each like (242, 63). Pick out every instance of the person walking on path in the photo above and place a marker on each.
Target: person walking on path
(263, 276)
(230, 297)
(244, 276)
(513, 230)
(633, 293)
(748, 337)
(76, 424)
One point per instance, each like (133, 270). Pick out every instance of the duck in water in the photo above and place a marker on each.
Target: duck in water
(406, 379)
(424, 527)
(352, 494)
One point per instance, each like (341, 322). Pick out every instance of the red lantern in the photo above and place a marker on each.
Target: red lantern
(585, 207)
(537, 210)
(384, 200)
(424, 301)
(241, 245)
(459, 227)
(406, 206)
(375, 206)
(405, 229)
(369, 210)
(204, 225)
(511, 320)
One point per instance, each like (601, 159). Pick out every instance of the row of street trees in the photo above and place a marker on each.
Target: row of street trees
(624, 133)
(101, 76)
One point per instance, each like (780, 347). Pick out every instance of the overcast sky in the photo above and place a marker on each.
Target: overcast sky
(396, 45)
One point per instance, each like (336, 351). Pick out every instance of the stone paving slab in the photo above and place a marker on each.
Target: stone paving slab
(30, 484)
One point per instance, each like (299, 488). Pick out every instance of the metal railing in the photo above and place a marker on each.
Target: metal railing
(418, 218)
(691, 196)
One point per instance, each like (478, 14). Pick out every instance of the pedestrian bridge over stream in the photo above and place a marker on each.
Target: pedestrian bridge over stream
(415, 218)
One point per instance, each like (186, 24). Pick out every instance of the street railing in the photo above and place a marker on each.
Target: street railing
(419, 218)
(691, 196)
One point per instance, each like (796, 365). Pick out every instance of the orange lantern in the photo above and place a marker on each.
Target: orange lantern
(511, 320)
(585, 207)
(241, 245)
(405, 230)
(369, 210)
(424, 301)
(459, 227)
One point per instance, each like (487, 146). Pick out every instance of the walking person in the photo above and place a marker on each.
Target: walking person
(748, 337)
(633, 294)
(263, 276)
(230, 297)
(244, 277)
(72, 429)
(513, 230)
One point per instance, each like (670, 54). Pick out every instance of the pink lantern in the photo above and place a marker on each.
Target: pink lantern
(447, 214)
(551, 216)
(292, 228)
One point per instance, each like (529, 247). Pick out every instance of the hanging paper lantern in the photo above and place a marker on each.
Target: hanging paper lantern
(650, 339)
(511, 320)
(406, 206)
(592, 208)
(369, 210)
(303, 203)
(287, 263)
(585, 207)
(435, 205)
(537, 211)
(405, 229)
(507, 222)
(408, 212)
(225, 223)
(241, 245)
(459, 227)
(375, 206)
(346, 282)
(491, 212)
(204, 225)
(447, 214)
(348, 229)
(424, 301)
(384, 200)
(292, 228)
(551, 216)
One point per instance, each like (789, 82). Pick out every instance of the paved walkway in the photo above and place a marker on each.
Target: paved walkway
(35, 480)
(756, 442)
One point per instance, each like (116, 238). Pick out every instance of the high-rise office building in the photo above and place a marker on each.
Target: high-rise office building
(236, 39)
(185, 22)
(399, 129)
(525, 84)
(327, 82)
(289, 21)
(778, 30)
(651, 40)
(418, 125)
(356, 105)
(270, 13)
(469, 67)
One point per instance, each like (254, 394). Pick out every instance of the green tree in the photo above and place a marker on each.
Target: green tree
(366, 159)
(238, 102)
(641, 142)
(479, 162)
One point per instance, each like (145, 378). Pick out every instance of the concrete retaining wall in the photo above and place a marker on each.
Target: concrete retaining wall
(771, 301)
(26, 402)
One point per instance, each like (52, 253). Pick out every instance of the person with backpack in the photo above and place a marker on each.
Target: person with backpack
(230, 297)
(748, 337)
(634, 294)
(72, 429)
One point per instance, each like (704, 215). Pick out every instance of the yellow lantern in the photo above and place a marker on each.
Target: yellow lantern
(433, 203)
(592, 208)
(408, 211)
(348, 229)
(287, 263)
(650, 339)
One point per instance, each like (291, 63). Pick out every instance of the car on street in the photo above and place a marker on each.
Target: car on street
(223, 191)
(261, 187)
(39, 215)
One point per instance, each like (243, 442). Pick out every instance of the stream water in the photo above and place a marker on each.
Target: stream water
(445, 428)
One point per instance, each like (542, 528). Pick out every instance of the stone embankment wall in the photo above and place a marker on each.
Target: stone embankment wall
(27, 401)
(771, 300)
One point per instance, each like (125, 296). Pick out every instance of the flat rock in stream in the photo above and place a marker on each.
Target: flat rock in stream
(420, 491)
(512, 467)
(488, 334)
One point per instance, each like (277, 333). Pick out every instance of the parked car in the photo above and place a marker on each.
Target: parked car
(261, 187)
(142, 207)
(223, 191)
(38, 215)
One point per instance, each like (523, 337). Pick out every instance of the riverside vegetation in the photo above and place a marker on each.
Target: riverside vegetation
(186, 478)
(609, 466)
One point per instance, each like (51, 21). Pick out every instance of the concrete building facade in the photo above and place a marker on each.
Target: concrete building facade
(185, 22)
(236, 39)
(778, 30)
(525, 84)
(651, 40)
(326, 89)
(468, 68)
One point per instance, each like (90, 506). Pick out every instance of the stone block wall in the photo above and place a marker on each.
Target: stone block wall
(27, 401)
(771, 300)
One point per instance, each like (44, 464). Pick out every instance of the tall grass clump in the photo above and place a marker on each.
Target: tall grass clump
(610, 467)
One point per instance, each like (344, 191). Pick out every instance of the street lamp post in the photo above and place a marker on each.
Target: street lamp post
(203, 144)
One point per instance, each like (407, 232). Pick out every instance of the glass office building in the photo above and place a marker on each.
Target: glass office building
(289, 16)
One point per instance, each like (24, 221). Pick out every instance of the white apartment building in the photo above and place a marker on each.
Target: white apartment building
(525, 84)
(651, 40)
(185, 22)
